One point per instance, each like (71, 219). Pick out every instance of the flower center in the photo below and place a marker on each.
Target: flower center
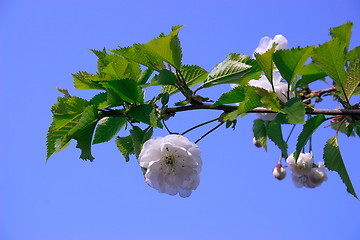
(169, 160)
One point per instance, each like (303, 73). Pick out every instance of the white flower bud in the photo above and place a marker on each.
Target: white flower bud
(279, 172)
(303, 165)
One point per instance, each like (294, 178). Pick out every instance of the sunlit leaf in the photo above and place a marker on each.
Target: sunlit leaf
(107, 128)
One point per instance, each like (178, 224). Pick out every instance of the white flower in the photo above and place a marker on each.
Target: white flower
(317, 176)
(173, 164)
(266, 43)
(303, 165)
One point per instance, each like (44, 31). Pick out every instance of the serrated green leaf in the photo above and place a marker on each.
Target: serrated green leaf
(269, 99)
(70, 105)
(125, 146)
(290, 63)
(308, 129)
(144, 76)
(334, 162)
(121, 68)
(295, 111)
(107, 128)
(83, 81)
(103, 58)
(192, 75)
(139, 137)
(127, 89)
(165, 77)
(343, 33)
(260, 132)
(310, 73)
(274, 132)
(354, 54)
(330, 58)
(265, 61)
(236, 68)
(236, 95)
(352, 78)
(144, 113)
(100, 100)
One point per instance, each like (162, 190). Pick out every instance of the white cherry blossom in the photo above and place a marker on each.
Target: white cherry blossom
(303, 165)
(173, 164)
(266, 43)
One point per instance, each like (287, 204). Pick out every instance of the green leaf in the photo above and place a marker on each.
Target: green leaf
(308, 129)
(83, 81)
(192, 75)
(236, 95)
(274, 132)
(165, 77)
(343, 33)
(334, 162)
(236, 68)
(354, 54)
(330, 58)
(69, 105)
(100, 100)
(121, 68)
(290, 63)
(310, 73)
(107, 128)
(125, 146)
(103, 58)
(145, 75)
(295, 111)
(139, 137)
(260, 132)
(144, 113)
(352, 78)
(84, 130)
(265, 61)
(127, 89)
(165, 48)
(269, 99)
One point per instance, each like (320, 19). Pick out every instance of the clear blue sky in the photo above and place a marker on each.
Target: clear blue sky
(43, 42)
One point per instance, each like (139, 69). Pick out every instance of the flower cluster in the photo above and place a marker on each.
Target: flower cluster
(172, 164)
(305, 173)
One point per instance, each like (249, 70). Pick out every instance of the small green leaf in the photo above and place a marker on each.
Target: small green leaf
(139, 137)
(69, 105)
(121, 68)
(274, 132)
(145, 75)
(295, 111)
(165, 77)
(352, 78)
(125, 146)
(107, 128)
(83, 81)
(354, 54)
(236, 68)
(290, 63)
(144, 113)
(310, 73)
(100, 100)
(308, 129)
(260, 132)
(127, 89)
(334, 162)
(236, 95)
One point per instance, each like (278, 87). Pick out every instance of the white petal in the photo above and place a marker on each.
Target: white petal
(264, 45)
(281, 41)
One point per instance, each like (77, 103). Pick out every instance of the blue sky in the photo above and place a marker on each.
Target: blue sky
(43, 42)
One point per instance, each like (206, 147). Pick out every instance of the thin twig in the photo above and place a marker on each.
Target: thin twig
(202, 124)
(217, 126)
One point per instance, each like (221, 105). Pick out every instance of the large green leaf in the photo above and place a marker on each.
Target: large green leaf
(308, 129)
(144, 113)
(127, 89)
(236, 68)
(290, 62)
(165, 77)
(265, 61)
(274, 132)
(343, 33)
(107, 128)
(121, 68)
(70, 105)
(331, 59)
(165, 48)
(354, 54)
(334, 162)
(145, 75)
(192, 75)
(260, 132)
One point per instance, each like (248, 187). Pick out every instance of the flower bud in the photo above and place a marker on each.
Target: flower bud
(279, 172)
(256, 143)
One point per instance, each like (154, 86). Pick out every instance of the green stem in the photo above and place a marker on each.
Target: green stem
(167, 127)
(291, 131)
(202, 124)
(217, 126)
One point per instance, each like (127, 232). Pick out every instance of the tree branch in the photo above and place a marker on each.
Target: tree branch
(228, 108)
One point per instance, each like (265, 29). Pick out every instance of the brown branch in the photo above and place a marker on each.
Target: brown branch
(228, 108)
(318, 93)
